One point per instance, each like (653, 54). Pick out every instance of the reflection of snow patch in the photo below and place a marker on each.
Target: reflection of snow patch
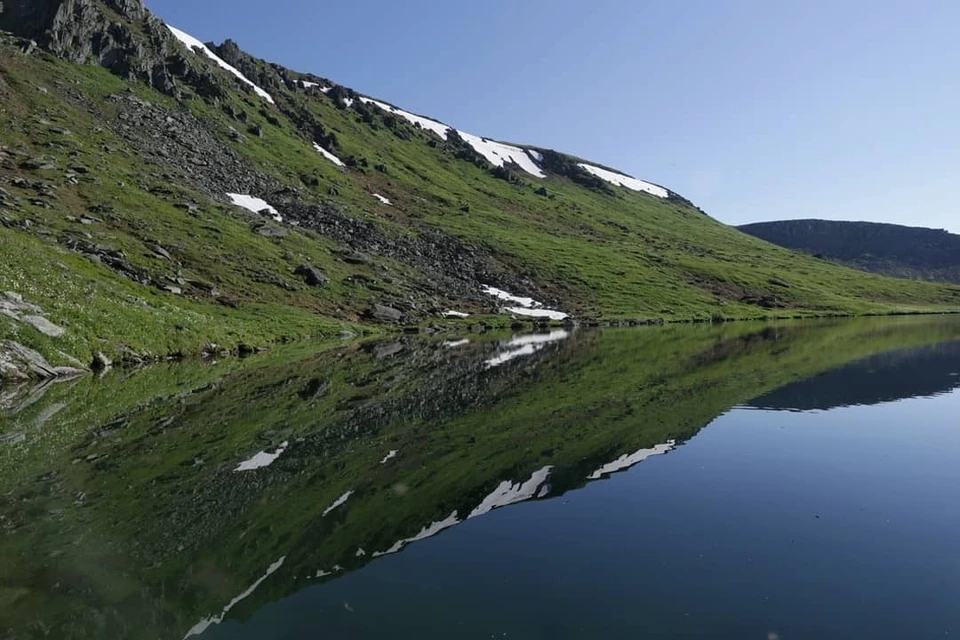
(261, 459)
(625, 181)
(255, 205)
(206, 623)
(427, 532)
(382, 199)
(628, 460)
(389, 456)
(510, 493)
(329, 156)
(525, 346)
(192, 43)
(451, 344)
(338, 502)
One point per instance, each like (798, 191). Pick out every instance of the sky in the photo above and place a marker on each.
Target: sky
(753, 109)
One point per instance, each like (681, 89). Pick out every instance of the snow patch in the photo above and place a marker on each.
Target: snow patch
(390, 456)
(310, 85)
(329, 156)
(382, 199)
(206, 623)
(192, 43)
(509, 297)
(427, 532)
(496, 153)
(499, 154)
(628, 460)
(455, 314)
(509, 493)
(256, 205)
(528, 306)
(338, 502)
(525, 346)
(262, 459)
(425, 123)
(625, 181)
(538, 313)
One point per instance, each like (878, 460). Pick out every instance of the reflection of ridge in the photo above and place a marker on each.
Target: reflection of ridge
(510, 493)
(628, 460)
(887, 377)
(428, 531)
(206, 623)
(525, 346)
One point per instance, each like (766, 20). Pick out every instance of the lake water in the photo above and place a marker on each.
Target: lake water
(769, 481)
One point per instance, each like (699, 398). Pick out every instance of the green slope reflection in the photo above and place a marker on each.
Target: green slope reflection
(162, 503)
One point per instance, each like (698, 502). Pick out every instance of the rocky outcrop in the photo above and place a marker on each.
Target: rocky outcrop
(13, 306)
(18, 362)
(120, 35)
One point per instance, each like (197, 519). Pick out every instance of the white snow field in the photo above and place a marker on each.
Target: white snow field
(261, 459)
(192, 43)
(255, 205)
(625, 181)
(329, 156)
(528, 306)
(496, 153)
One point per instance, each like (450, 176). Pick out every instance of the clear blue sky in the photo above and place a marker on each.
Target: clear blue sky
(753, 109)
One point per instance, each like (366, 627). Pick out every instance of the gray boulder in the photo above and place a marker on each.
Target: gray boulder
(312, 276)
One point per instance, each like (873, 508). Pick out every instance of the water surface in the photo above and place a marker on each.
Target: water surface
(785, 481)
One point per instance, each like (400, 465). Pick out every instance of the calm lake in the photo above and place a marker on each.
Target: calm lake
(768, 481)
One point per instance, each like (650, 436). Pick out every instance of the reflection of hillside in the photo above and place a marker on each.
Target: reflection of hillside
(179, 521)
(910, 373)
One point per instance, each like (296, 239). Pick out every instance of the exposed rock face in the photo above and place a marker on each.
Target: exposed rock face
(18, 362)
(81, 31)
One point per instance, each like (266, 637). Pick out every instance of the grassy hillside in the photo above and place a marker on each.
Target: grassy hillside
(889, 249)
(114, 218)
(119, 500)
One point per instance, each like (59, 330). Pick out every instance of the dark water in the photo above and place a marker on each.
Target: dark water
(746, 481)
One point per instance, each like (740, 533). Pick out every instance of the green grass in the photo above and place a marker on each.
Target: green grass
(600, 256)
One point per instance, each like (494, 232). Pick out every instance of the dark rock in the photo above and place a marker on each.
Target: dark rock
(40, 163)
(272, 231)
(385, 313)
(312, 276)
(387, 350)
(101, 362)
(160, 251)
(315, 388)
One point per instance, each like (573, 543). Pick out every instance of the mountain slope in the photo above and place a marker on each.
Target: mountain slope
(890, 249)
(118, 220)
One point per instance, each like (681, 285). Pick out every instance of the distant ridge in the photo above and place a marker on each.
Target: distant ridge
(891, 249)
